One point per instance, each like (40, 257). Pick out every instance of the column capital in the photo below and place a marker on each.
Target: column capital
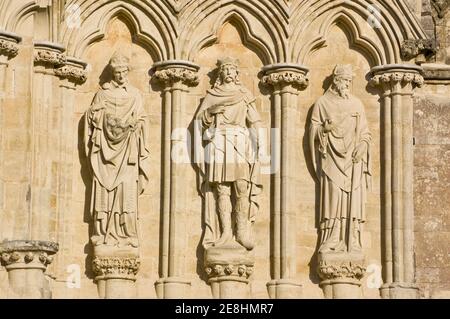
(9, 44)
(176, 71)
(49, 54)
(285, 74)
(73, 70)
(118, 267)
(242, 270)
(27, 254)
(340, 270)
(229, 269)
(404, 74)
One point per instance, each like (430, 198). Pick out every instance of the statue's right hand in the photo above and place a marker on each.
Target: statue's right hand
(328, 126)
(216, 109)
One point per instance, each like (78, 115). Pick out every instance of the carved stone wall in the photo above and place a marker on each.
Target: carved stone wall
(54, 57)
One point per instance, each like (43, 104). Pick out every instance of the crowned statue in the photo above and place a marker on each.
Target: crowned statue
(230, 172)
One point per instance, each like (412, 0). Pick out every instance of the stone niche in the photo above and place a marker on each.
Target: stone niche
(231, 40)
(341, 42)
(54, 57)
(120, 35)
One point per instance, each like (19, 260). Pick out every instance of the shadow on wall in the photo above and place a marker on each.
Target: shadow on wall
(200, 269)
(313, 276)
(157, 87)
(106, 75)
(86, 176)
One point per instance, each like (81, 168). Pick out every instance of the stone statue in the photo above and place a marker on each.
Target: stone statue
(230, 169)
(340, 144)
(116, 145)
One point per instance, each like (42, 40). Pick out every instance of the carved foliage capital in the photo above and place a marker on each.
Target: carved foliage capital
(27, 254)
(50, 57)
(123, 267)
(9, 44)
(282, 78)
(8, 48)
(26, 257)
(177, 74)
(403, 77)
(72, 73)
(236, 270)
(341, 270)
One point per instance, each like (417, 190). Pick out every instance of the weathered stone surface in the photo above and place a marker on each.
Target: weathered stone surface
(54, 60)
(432, 180)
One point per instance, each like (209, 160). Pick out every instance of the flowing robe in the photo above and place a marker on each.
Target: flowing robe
(343, 184)
(231, 151)
(116, 145)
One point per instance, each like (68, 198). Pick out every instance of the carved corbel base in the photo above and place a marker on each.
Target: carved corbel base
(26, 262)
(115, 271)
(284, 289)
(8, 46)
(229, 268)
(399, 291)
(172, 288)
(341, 275)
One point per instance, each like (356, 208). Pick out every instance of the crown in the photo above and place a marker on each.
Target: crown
(343, 70)
(119, 60)
(228, 60)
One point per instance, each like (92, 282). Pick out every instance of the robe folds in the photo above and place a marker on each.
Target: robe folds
(343, 184)
(116, 145)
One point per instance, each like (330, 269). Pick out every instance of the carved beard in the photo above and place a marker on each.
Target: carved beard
(225, 77)
(342, 90)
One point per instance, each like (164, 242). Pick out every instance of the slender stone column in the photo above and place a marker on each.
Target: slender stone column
(44, 139)
(72, 75)
(26, 262)
(25, 271)
(287, 81)
(9, 49)
(397, 83)
(175, 77)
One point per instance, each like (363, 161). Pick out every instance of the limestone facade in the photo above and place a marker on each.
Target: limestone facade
(55, 57)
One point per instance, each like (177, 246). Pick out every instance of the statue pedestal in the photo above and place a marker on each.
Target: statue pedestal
(341, 274)
(229, 268)
(26, 262)
(284, 289)
(115, 269)
(172, 288)
(399, 291)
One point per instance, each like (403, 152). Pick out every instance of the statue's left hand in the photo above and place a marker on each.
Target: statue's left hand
(359, 152)
(216, 109)
(132, 125)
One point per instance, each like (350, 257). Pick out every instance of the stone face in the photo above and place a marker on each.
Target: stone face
(169, 240)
